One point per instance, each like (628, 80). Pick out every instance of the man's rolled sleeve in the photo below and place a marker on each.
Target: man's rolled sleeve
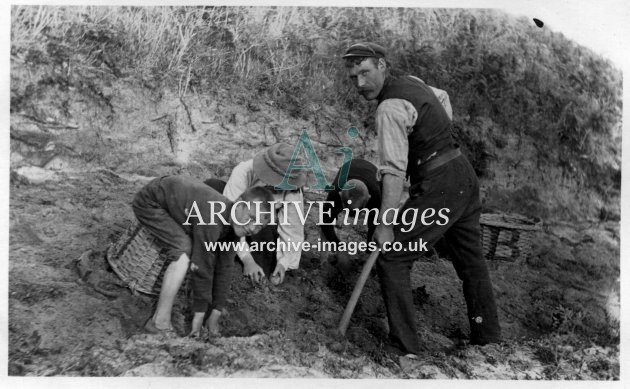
(394, 120)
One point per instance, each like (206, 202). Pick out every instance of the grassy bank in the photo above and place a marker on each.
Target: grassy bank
(507, 79)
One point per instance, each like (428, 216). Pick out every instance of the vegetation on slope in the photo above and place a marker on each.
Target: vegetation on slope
(530, 83)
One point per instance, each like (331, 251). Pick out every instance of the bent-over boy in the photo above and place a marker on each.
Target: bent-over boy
(185, 215)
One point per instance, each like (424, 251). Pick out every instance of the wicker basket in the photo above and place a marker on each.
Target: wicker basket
(507, 237)
(137, 260)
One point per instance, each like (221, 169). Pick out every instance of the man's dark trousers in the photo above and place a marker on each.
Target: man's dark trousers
(453, 185)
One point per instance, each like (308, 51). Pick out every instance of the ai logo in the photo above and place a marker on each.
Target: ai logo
(313, 164)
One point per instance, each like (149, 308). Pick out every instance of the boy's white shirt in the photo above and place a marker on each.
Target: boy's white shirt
(243, 177)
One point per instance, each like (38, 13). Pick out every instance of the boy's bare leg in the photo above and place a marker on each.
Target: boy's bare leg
(173, 279)
(213, 323)
(196, 323)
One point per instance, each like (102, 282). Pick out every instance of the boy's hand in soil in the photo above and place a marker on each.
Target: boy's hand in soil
(252, 270)
(278, 275)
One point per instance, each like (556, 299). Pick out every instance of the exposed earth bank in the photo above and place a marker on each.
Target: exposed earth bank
(557, 308)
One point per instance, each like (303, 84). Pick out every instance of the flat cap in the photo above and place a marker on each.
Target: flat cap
(365, 49)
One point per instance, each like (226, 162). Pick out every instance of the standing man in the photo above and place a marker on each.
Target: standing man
(414, 141)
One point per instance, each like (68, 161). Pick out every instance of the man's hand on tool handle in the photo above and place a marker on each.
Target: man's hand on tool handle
(383, 234)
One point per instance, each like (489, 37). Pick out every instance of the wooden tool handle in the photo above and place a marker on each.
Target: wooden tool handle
(365, 273)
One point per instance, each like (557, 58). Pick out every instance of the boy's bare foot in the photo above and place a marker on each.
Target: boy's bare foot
(214, 332)
(151, 328)
(195, 335)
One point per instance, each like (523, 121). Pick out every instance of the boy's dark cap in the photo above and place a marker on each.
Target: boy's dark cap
(365, 49)
(271, 164)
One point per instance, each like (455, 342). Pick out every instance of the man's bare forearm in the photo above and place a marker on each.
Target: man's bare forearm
(392, 190)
